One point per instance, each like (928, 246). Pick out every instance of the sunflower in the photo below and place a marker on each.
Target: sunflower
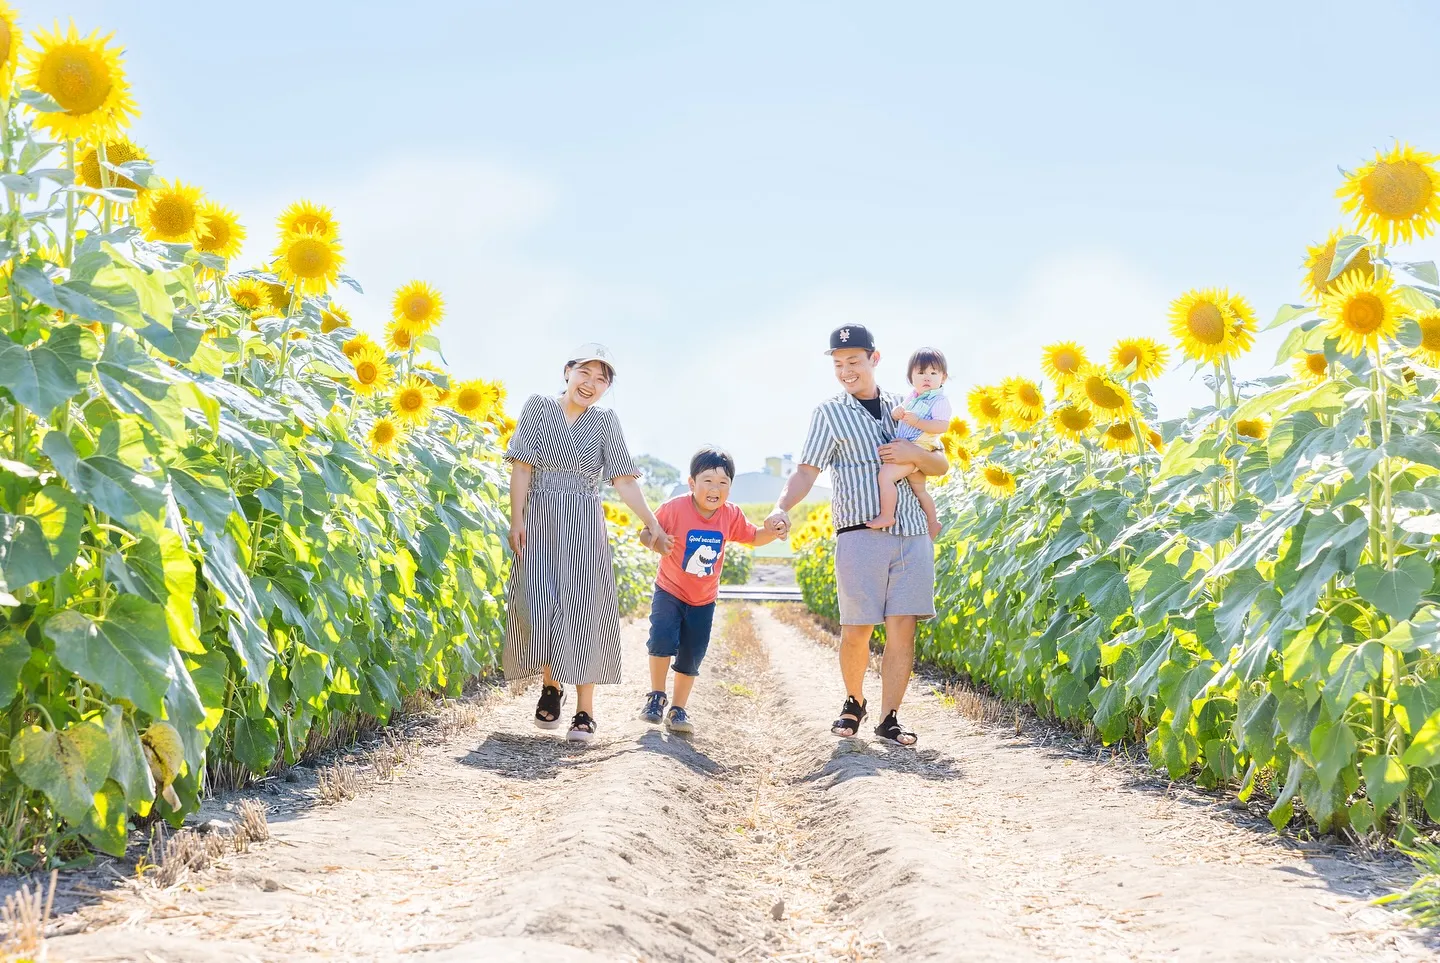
(1319, 260)
(357, 344)
(223, 233)
(1312, 366)
(987, 406)
(1242, 324)
(249, 295)
(1022, 400)
(996, 481)
(171, 211)
(957, 453)
(959, 427)
(1252, 429)
(1119, 436)
(279, 297)
(1072, 421)
(1428, 350)
(417, 308)
(308, 261)
(1361, 312)
(398, 338)
(9, 48)
(1157, 442)
(412, 400)
(372, 370)
(1061, 361)
(1203, 322)
(1395, 197)
(118, 150)
(1102, 393)
(303, 216)
(333, 317)
(384, 437)
(471, 399)
(84, 76)
(1147, 355)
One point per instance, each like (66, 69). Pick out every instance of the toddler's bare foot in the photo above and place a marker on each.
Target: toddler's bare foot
(934, 529)
(884, 521)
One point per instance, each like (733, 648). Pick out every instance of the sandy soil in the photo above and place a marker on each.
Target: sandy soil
(761, 838)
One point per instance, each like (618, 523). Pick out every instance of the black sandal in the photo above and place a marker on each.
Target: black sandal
(552, 699)
(848, 728)
(582, 728)
(893, 732)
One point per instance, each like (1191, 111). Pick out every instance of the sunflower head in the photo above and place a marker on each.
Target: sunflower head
(9, 47)
(1102, 393)
(398, 338)
(308, 261)
(413, 400)
(384, 437)
(1395, 197)
(1320, 260)
(1252, 429)
(303, 216)
(172, 212)
(1072, 421)
(472, 399)
(1062, 361)
(372, 370)
(334, 316)
(959, 427)
(1022, 400)
(249, 296)
(279, 296)
(417, 307)
(987, 406)
(995, 480)
(957, 452)
(1154, 439)
(118, 150)
(357, 344)
(1141, 359)
(85, 77)
(1203, 321)
(1312, 366)
(1119, 436)
(223, 233)
(1429, 348)
(1361, 312)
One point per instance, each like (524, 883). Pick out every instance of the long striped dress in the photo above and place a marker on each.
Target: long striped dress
(561, 609)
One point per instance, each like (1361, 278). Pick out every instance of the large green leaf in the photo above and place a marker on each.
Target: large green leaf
(1425, 745)
(1420, 632)
(126, 651)
(105, 481)
(136, 384)
(256, 742)
(202, 488)
(1396, 593)
(69, 766)
(128, 767)
(14, 653)
(1385, 779)
(41, 543)
(48, 372)
(164, 572)
(1350, 671)
(1332, 745)
(105, 824)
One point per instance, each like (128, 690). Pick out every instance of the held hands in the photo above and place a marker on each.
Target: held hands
(658, 541)
(779, 523)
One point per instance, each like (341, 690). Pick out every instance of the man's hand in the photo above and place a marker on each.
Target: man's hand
(901, 453)
(779, 523)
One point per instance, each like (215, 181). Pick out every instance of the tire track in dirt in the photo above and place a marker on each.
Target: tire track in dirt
(761, 838)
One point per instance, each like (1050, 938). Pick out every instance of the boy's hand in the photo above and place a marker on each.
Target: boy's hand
(659, 542)
(778, 522)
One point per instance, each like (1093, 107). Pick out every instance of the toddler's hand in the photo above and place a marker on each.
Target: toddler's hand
(898, 412)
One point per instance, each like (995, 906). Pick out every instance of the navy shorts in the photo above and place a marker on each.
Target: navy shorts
(679, 631)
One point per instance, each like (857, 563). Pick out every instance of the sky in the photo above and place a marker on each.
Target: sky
(710, 189)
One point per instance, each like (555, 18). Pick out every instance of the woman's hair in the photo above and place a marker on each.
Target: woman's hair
(926, 358)
(609, 371)
(708, 458)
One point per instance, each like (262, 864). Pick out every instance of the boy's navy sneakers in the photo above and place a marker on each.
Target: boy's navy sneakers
(679, 721)
(654, 710)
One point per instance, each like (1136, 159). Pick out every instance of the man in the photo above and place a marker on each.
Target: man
(882, 575)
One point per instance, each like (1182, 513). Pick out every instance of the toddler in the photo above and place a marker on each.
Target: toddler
(922, 418)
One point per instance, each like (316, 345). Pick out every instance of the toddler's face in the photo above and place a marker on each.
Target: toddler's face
(711, 489)
(927, 378)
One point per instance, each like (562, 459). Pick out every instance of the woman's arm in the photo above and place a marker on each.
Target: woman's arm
(520, 474)
(628, 488)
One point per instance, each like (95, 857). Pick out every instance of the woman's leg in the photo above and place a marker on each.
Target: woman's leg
(585, 698)
(545, 676)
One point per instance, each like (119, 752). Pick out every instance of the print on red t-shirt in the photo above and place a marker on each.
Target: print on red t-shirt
(691, 571)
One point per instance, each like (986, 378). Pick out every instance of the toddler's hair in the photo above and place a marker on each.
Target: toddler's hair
(708, 458)
(926, 358)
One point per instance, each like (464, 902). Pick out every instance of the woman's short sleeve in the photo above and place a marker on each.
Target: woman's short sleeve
(616, 462)
(525, 442)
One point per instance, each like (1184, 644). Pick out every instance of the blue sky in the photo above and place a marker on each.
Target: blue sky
(710, 189)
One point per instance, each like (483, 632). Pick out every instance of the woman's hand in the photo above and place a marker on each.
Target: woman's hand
(517, 537)
(657, 541)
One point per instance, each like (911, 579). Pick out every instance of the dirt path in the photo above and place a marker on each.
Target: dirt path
(763, 838)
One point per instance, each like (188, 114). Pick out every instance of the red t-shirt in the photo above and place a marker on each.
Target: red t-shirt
(691, 572)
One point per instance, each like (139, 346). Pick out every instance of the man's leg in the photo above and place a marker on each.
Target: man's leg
(897, 662)
(855, 657)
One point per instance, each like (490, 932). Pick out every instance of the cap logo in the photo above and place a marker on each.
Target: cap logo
(844, 334)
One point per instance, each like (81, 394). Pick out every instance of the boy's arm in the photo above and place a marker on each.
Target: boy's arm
(764, 536)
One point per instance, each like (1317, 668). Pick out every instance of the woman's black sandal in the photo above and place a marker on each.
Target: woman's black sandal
(848, 725)
(893, 732)
(552, 699)
(582, 728)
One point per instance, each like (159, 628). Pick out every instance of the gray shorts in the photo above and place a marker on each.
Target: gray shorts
(879, 574)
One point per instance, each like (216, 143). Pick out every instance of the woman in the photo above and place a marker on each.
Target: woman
(564, 619)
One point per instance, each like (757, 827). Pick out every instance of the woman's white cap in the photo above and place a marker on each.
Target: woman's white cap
(592, 351)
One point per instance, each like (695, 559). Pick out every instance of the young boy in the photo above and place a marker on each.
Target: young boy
(922, 419)
(700, 524)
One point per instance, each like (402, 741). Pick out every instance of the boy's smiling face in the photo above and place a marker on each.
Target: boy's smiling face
(710, 489)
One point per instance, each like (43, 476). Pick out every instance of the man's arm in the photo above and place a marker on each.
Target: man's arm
(796, 488)
(908, 453)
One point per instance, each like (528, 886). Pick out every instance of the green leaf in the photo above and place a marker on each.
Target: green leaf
(14, 653)
(1284, 808)
(1351, 669)
(256, 742)
(1395, 593)
(106, 482)
(128, 767)
(1385, 779)
(167, 574)
(1425, 744)
(1417, 701)
(137, 385)
(1332, 746)
(43, 542)
(126, 652)
(1422, 631)
(49, 372)
(105, 824)
(1288, 313)
(202, 489)
(69, 766)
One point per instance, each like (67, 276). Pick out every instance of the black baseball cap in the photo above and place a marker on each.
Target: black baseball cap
(851, 336)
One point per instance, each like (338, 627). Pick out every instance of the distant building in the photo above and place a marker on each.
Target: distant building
(764, 487)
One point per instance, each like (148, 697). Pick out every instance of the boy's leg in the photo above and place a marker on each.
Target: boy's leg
(932, 514)
(694, 643)
(665, 622)
(683, 684)
(888, 477)
(659, 669)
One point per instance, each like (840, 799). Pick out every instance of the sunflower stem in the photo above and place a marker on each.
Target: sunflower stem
(1376, 492)
(70, 206)
(1230, 384)
(100, 160)
(1387, 516)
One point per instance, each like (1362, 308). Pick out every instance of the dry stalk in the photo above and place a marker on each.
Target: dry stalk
(23, 917)
(251, 826)
(183, 854)
(457, 718)
(337, 783)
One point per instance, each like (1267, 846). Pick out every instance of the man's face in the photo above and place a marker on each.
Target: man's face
(855, 369)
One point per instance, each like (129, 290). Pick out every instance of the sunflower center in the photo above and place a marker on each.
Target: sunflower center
(78, 80)
(1102, 394)
(996, 476)
(1029, 396)
(172, 216)
(384, 432)
(1120, 431)
(1206, 323)
(366, 372)
(216, 236)
(309, 258)
(469, 399)
(1127, 355)
(1317, 364)
(1249, 429)
(1067, 362)
(418, 307)
(1364, 313)
(412, 399)
(1430, 334)
(1076, 419)
(310, 222)
(1398, 189)
(248, 300)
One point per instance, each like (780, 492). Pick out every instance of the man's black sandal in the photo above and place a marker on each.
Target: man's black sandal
(848, 725)
(547, 710)
(892, 731)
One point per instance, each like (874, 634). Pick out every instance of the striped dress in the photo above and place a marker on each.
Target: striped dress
(561, 608)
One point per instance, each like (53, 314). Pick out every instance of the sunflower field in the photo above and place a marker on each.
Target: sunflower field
(1250, 591)
(233, 524)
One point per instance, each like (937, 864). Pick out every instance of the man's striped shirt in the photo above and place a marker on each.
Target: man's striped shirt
(845, 438)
